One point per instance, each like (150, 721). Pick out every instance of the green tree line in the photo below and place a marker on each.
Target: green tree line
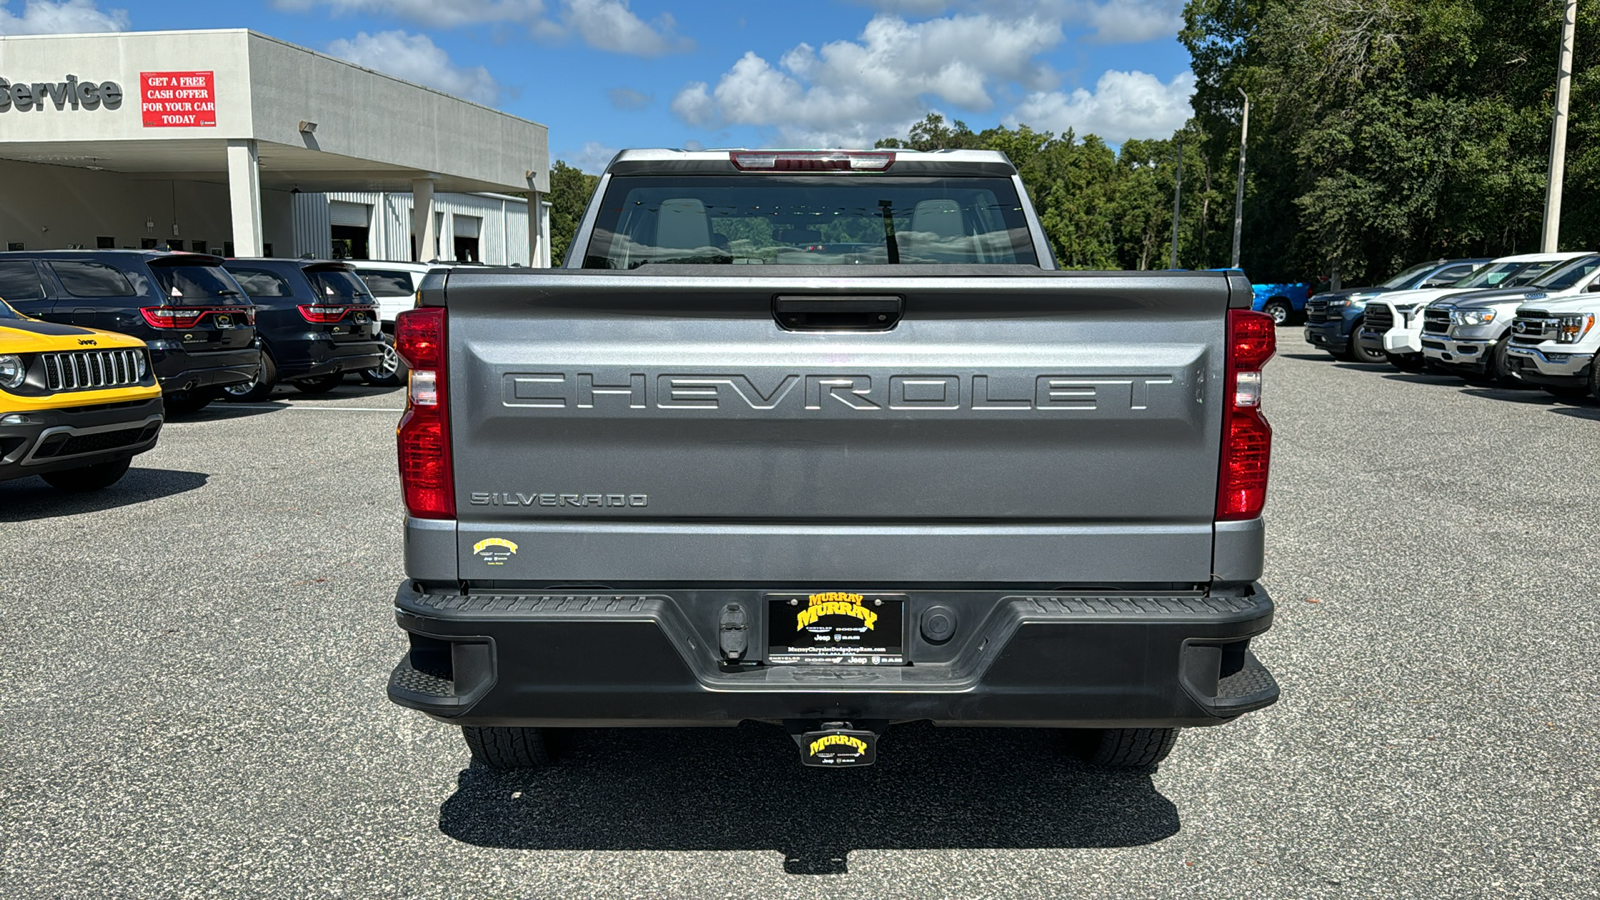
(1382, 132)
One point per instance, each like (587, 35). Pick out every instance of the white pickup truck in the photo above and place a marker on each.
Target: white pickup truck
(1470, 334)
(1554, 344)
(1393, 324)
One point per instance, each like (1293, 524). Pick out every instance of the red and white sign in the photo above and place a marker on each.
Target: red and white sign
(178, 99)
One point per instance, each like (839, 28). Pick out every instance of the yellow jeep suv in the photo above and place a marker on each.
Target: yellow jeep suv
(76, 404)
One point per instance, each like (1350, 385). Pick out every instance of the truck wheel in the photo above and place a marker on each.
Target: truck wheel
(1361, 354)
(1126, 747)
(1498, 367)
(508, 748)
(258, 388)
(320, 385)
(88, 478)
(1279, 310)
(1594, 378)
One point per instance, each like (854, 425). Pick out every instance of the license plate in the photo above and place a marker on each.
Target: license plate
(836, 628)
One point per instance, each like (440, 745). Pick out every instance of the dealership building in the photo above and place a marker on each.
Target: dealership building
(235, 143)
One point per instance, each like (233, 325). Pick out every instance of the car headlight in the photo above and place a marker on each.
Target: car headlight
(12, 371)
(1338, 304)
(1571, 330)
(1472, 316)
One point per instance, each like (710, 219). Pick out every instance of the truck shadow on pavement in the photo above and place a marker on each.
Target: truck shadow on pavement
(30, 499)
(744, 789)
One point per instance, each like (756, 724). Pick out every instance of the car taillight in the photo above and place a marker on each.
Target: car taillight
(426, 479)
(811, 161)
(323, 315)
(1246, 436)
(190, 316)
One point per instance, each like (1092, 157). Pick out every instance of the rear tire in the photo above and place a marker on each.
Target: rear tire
(260, 388)
(88, 478)
(390, 372)
(1278, 310)
(509, 748)
(1125, 747)
(320, 385)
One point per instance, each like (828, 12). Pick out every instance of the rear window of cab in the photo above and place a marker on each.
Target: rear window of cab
(809, 220)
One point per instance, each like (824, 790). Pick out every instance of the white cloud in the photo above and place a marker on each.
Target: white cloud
(625, 98)
(415, 58)
(849, 93)
(1109, 21)
(593, 158)
(63, 17)
(611, 25)
(1123, 105)
(1135, 21)
(431, 12)
(603, 24)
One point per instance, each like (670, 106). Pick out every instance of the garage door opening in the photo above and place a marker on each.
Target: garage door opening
(350, 242)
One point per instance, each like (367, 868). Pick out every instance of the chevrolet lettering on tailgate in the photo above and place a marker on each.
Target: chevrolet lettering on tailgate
(834, 392)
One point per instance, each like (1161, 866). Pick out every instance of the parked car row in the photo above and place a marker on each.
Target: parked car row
(1527, 319)
(98, 348)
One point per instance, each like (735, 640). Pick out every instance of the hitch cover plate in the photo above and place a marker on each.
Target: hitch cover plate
(837, 747)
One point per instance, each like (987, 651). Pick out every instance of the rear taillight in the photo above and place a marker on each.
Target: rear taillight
(426, 479)
(327, 315)
(1246, 436)
(191, 316)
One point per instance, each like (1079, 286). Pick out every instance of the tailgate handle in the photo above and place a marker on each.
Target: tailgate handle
(837, 313)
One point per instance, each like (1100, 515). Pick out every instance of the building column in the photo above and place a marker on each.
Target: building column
(422, 225)
(244, 195)
(538, 249)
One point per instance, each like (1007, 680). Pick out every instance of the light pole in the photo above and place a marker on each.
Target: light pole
(1558, 133)
(1177, 204)
(1238, 197)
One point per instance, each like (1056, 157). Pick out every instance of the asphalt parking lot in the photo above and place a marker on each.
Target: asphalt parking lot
(192, 671)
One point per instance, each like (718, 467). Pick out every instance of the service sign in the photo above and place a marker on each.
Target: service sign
(178, 99)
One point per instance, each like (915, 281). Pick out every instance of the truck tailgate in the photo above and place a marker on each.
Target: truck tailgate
(1042, 427)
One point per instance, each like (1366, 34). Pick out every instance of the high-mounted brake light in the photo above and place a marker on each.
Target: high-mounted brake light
(191, 316)
(427, 480)
(810, 161)
(1246, 436)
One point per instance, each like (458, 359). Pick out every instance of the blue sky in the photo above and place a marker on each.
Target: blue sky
(604, 74)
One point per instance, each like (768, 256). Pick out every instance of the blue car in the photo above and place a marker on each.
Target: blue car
(1281, 301)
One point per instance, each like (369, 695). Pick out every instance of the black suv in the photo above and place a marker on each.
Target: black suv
(317, 321)
(199, 325)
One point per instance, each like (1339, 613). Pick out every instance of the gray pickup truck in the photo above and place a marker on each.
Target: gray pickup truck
(823, 439)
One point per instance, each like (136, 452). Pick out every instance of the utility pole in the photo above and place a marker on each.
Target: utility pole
(1558, 132)
(1177, 204)
(1238, 198)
